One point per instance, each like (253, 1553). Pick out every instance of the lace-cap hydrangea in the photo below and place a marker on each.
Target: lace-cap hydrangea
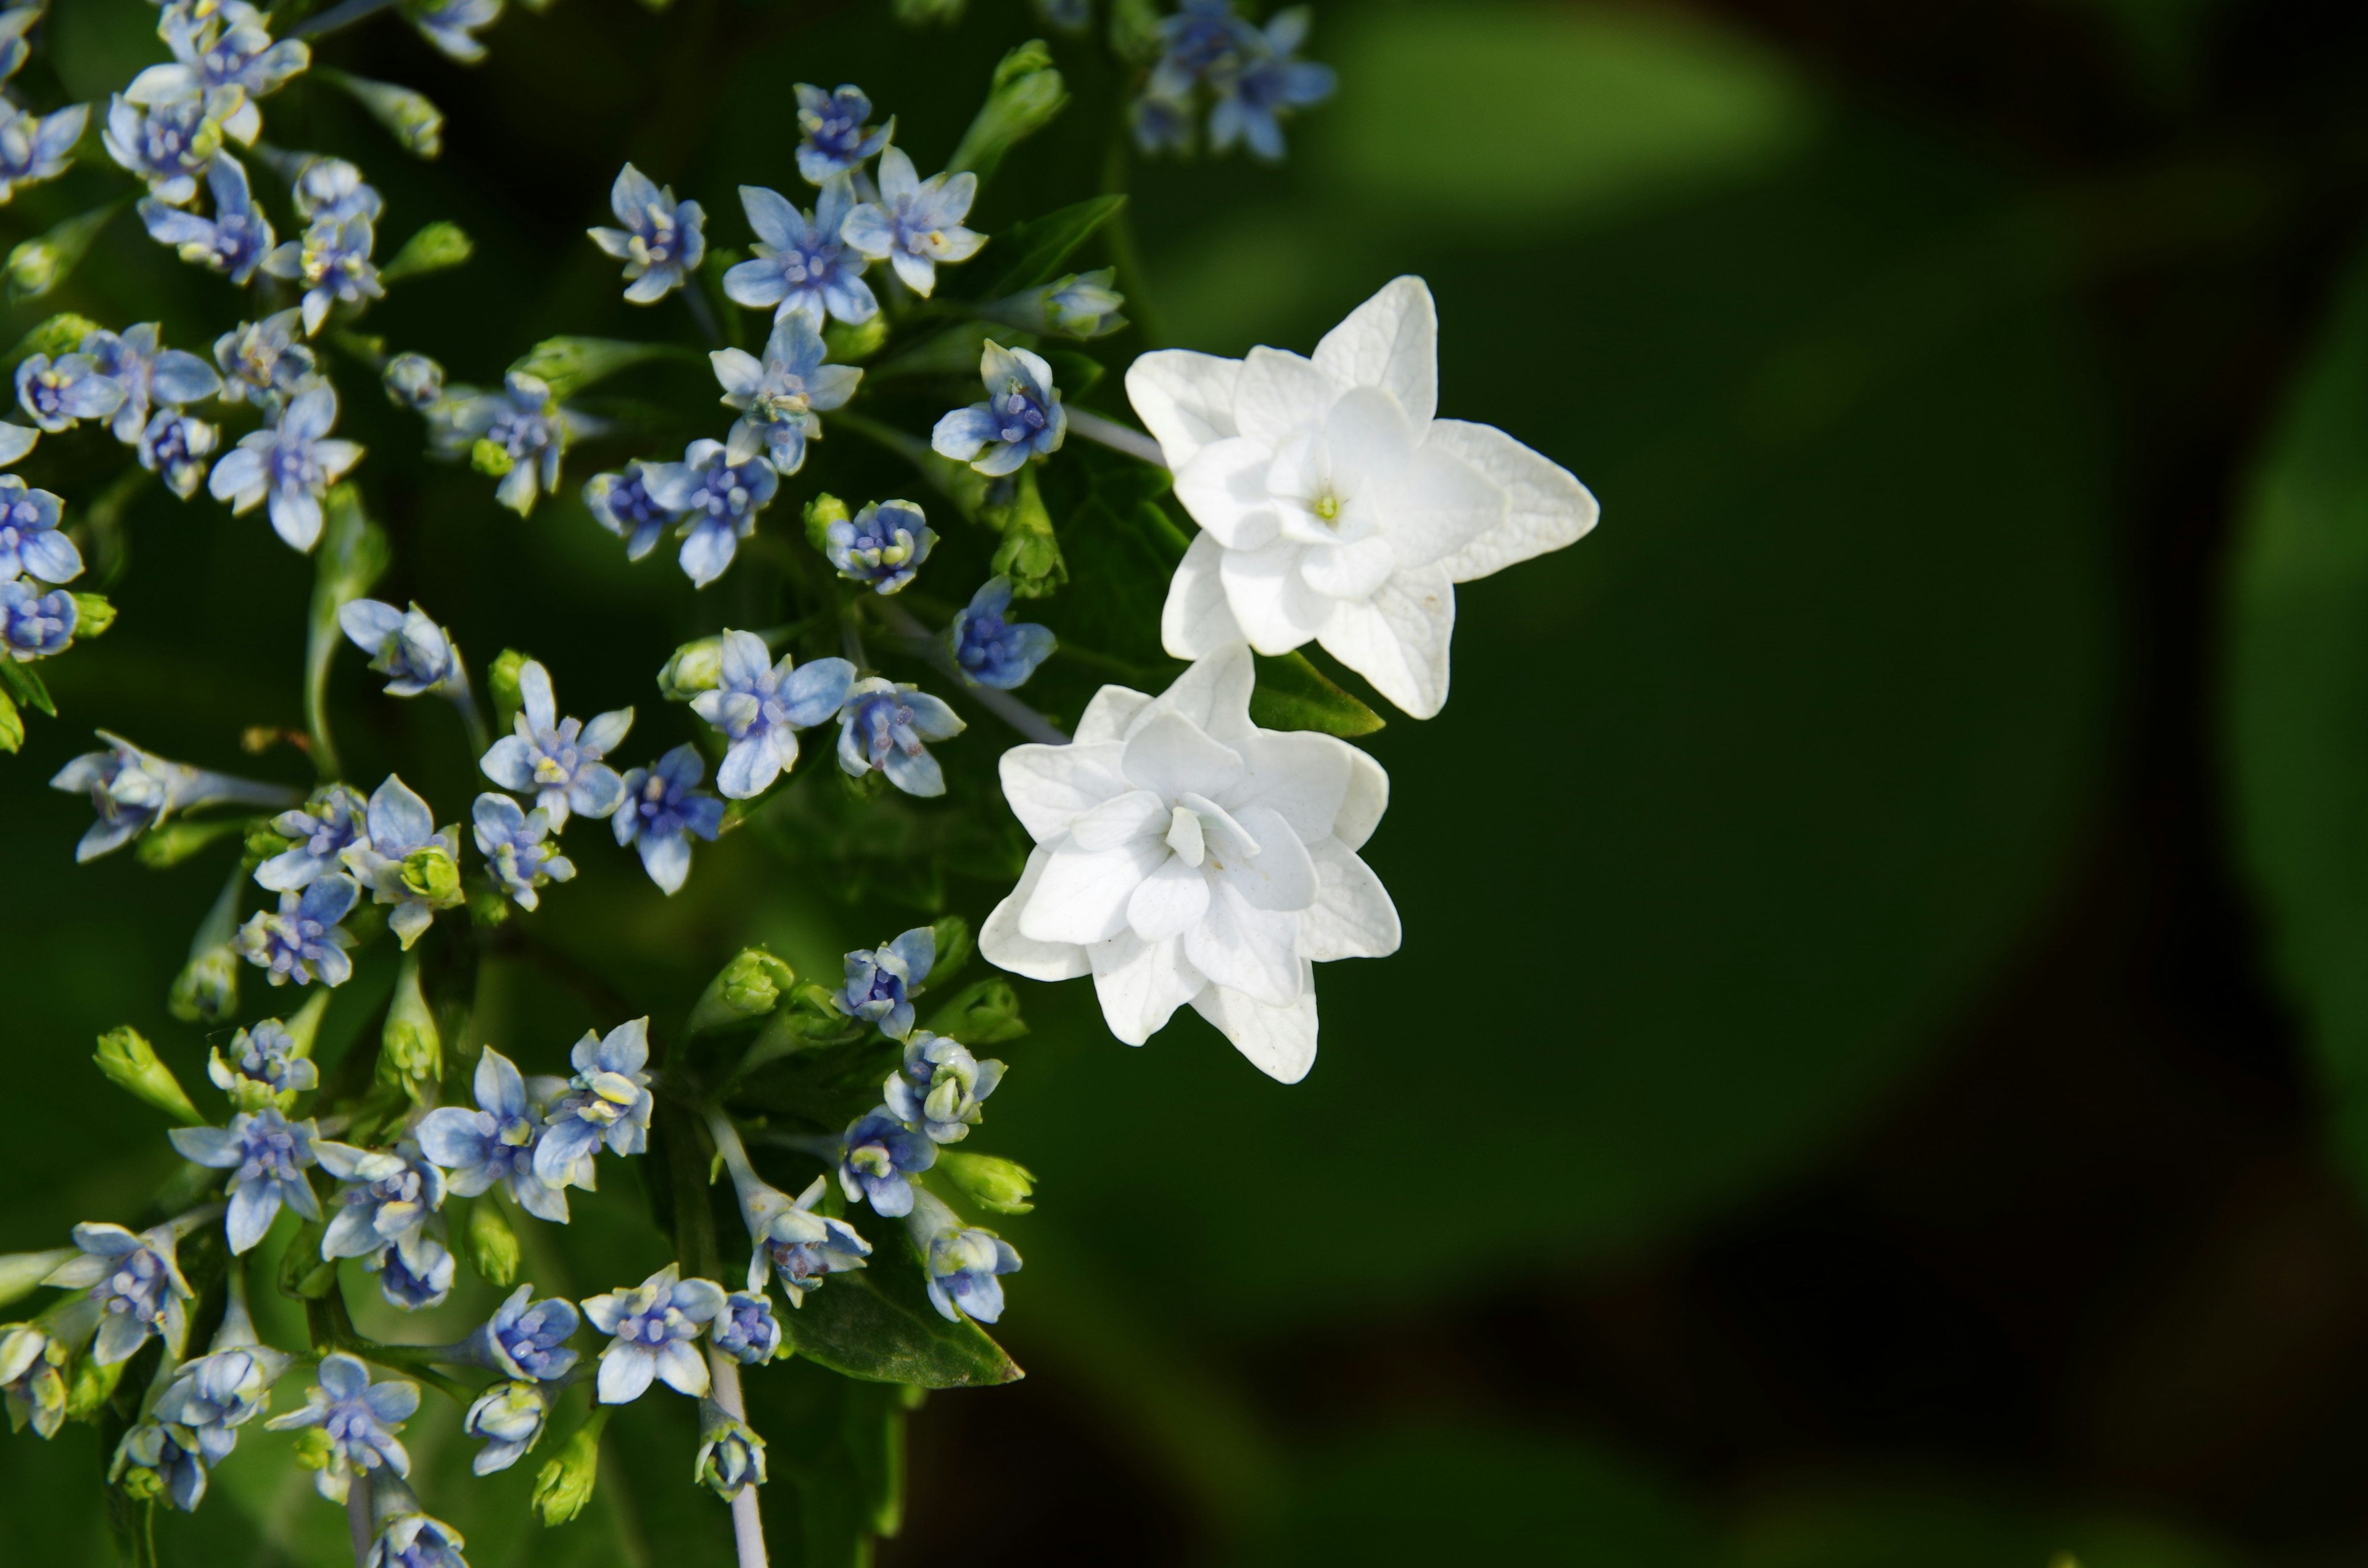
(991, 649)
(800, 265)
(718, 500)
(359, 1417)
(664, 809)
(33, 624)
(556, 760)
(663, 240)
(291, 462)
(653, 1324)
(882, 546)
(781, 394)
(759, 705)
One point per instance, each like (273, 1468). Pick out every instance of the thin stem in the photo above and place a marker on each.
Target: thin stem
(342, 16)
(747, 1521)
(357, 1515)
(1116, 436)
(464, 697)
(701, 312)
(1002, 704)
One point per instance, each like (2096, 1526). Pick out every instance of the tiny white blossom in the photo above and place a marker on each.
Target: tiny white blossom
(1185, 855)
(1334, 507)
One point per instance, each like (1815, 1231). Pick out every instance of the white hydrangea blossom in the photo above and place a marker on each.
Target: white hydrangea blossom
(1185, 855)
(1334, 507)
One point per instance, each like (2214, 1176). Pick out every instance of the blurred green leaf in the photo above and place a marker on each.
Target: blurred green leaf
(1036, 251)
(877, 1323)
(1292, 694)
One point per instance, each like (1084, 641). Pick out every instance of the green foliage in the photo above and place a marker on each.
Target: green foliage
(434, 247)
(1292, 694)
(877, 1323)
(1037, 250)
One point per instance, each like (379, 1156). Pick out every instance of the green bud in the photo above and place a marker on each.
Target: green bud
(821, 513)
(1134, 31)
(41, 264)
(854, 344)
(568, 365)
(491, 458)
(91, 1387)
(163, 848)
(566, 1484)
(313, 1448)
(502, 686)
(131, 1063)
(93, 615)
(695, 667)
(984, 1013)
(493, 1246)
(12, 723)
(306, 1027)
(431, 873)
(411, 1051)
(434, 248)
(141, 1483)
(488, 906)
(1030, 554)
(747, 988)
(21, 1273)
(1024, 96)
(206, 991)
(262, 842)
(59, 334)
(411, 117)
(731, 1455)
(988, 1180)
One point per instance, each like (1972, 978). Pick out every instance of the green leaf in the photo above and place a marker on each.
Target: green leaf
(877, 1323)
(1038, 251)
(1292, 694)
(11, 724)
(24, 683)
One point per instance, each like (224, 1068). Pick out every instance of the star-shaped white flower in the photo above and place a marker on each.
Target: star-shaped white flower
(1185, 855)
(1334, 507)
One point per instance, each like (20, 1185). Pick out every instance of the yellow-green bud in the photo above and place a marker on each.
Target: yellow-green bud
(141, 1483)
(748, 988)
(163, 848)
(94, 613)
(432, 249)
(206, 991)
(984, 1013)
(695, 667)
(502, 686)
(1021, 100)
(59, 334)
(566, 1484)
(21, 1273)
(11, 724)
(488, 906)
(91, 1387)
(493, 1246)
(313, 1448)
(1031, 553)
(821, 511)
(989, 1180)
(42, 264)
(411, 117)
(490, 458)
(430, 873)
(854, 344)
(131, 1063)
(411, 1051)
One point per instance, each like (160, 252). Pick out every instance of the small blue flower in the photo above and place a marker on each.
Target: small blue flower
(801, 266)
(414, 654)
(414, 1274)
(267, 1155)
(493, 1143)
(990, 649)
(213, 1396)
(292, 461)
(1162, 124)
(1021, 419)
(916, 224)
(137, 1284)
(526, 1338)
(608, 1101)
(179, 1470)
(832, 138)
(662, 241)
(621, 503)
(508, 1418)
(132, 790)
(32, 1381)
(360, 1418)
(879, 1154)
(451, 24)
(718, 501)
(883, 728)
(405, 861)
(1082, 305)
(761, 706)
(558, 760)
(37, 147)
(263, 1063)
(174, 446)
(387, 1195)
(941, 1085)
(334, 261)
(1254, 99)
(31, 543)
(234, 242)
(149, 373)
(780, 395)
(519, 433)
(226, 55)
(334, 189)
(318, 832)
(793, 1242)
(415, 1540)
(882, 981)
(304, 941)
(517, 848)
(35, 625)
(263, 363)
(62, 392)
(746, 1329)
(963, 1263)
(882, 545)
(653, 1324)
(413, 381)
(167, 144)
(662, 809)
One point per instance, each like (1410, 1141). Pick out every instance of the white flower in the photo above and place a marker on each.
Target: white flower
(1334, 507)
(1185, 855)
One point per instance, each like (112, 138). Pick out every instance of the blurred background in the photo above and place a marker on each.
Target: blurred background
(1875, 1074)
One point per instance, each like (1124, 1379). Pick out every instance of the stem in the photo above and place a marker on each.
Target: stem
(342, 16)
(464, 697)
(357, 1515)
(1002, 704)
(747, 1521)
(1116, 437)
(701, 312)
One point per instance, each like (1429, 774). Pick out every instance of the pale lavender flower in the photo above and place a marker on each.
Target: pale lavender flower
(991, 649)
(137, 1283)
(405, 861)
(31, 543)
(526, 1338)
(234, 242)
(387, 1195)
(916, 224)
(882, 981)
(653, 1324)
(318, 832)
(302, 941)
(360, 1417)
(608, 1101)
(291, 462)
(414, 654)
(493, 1143)
(832, 138)
(883, 728)
(781, 395)
(963, 1262)
(174, 446)
(167, 144)
(264, 362)
(508, 1418)
(267, 1155)
(793, 1242)
(940, 1087)
(882, 546)
(878, 1157)
(60, 394)
(1021, 419)
(132, 790)
(333, 260)
(558, 761)
(746, 1329)
(800, 264)
(761, 706)
(718, 501)
(662, 809)
(518, 848)
(33, 624)
(37, 147)
(452, 24)
(621, 503)
(662, 241)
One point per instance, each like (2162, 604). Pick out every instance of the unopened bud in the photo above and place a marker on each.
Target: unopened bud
(566, 1484)
(131, 1063)
(411, 117)
(502, 686)
(413, 380)
(1030, 554)
(695, 667)
(491, 458)
(984, 1013)
(821, 513)
(988, 1180)
(430, 873)
(21, 1273)
(1025, 94)
(59, 334)
(164, 848)
(493, 1246)
(731, 1455)
(91, 1386)
(748, 988)
(433, 248)
(206, 991)
(93, 615)
(41, 264)
(411, 1051)
(11, 724)
(313, 1448)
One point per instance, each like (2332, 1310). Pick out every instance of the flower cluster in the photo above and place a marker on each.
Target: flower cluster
(1252, 76)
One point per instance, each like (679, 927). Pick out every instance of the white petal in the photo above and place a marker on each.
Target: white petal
(1170, 901)
(1279, 394)
(1170, 754)
(1390, 341)
(1353, 917)
(1108, 715)
(1368, 438)
(1214, 693)
(1138, 813)
(1225, 488)
(1005, 947)
(1277, 609)
(1196, 621)
(1255, 950)
(1185, 400)
(1547, 507)
(1050, 786)
(1438, 505)
(1298, 773)
(1141, 984)
(1278, 1041)
(1280, 877)
(1348, 571)
(1366, 799)
(1082, 894)
(1398, 639)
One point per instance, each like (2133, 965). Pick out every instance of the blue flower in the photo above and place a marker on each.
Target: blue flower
(518, 433)
(1253, 98)
(292, 461)
(516, 846)
(832, 138)
(149, 374)
(173, 447)
(781, 394)
(404, 859)
(35, 625)
(167, 144)
(662, 809)
(1081, 305)
(526, 1338)
(940, 1086)
(963, 1261)
(1162, 124)
(62, 392)
(746, 1329)
(37, 147)
(793, 1242)
(263, 1067)
(608, 1101)
(882, 981)
(761, 706)
(213, 1396)
(180, 1472)
(32, 1380)
(387, 1195)
(31, 543)
(302, 941)
(451, 24)
(414, 382)
(801, 266)
(493, 1143)
(662, 241)
(267, 1155)
(558, 760)
(882, 729)
(132, 790)
(137, 1284)
(334, 189)
(1021, 419)
(992, 650)
(263, 363)
(718, 501)
(916, 224)
(653, 1324)
(318, 832)
(360, 1417)
(334, 261)
(509, 1418)
(882, 545)
(234, 242)
(415, 1540)
(414, 654)
(414, 1274)
(877, 1156)
(226, 55)
(621, 503)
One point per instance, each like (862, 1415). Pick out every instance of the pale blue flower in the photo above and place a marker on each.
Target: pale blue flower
(33, 1380)
(214, 1395)
(557, 760)
(1202, 39)
(224, 53)
(832, 138)
(508, 1418)
(413, 381)
(174, 446)
(334, 189)
(318, 832)
(234, 242)
(493, 1143)
(291, 461)
(939, 1089)
(265, 1057)
(916, 224)
(415, 1540)
(882, 546)
(33, 624)
(37, 147)
(877, 1157)
(262, 362)
(963, 1263)
(132, 790)
(992, 650)
(137, 1283)
(405, 861)
(761, 706)
(1269, 84)
(167, 144)
(662, 809)
(780, 395)
(1021, 419)
(517, 848)
(1162, 124)
(883, 728)
(662, 241)
(180, 1471)
(653, 1324)
(414, 1274)
(31, 543)
(14, 23)
(746, 1329)
(1082, 305)
(800, 266)
(882, 981)
(387, 1195)
(334, 262)
(527, 1339)
(304, 941)
(621, 503)
(267, 1155)
(451, 24)
(519, 433)
(149, 373)
(360, 1417)
(607, 1102)
(414, 654)
(60, 394)
(793, 1242)
(718, 501)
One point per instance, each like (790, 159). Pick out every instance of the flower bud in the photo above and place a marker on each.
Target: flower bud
(566, 1484)
(91, 1386)
(493, 1246)
(434, 248)
(11, 724)
(411, 117)
(491, 458)
(822, 512)
(138, 1482)
(131, 1063)
(206, 991)
(1024, 96)
(32, 1382)
(502, 686)
(41, 264)
(488, 906)
(989, 1180)
(21, 1273)
(94, 613)
(411, 1049)
(1030, 554)
(508, 1418)
(163, 848)
(748, 988)
(984, 1014)
(695, 667)
(413, 380)
(59, 334)
(313, 1448)
(854, 344)
(1082, 305)
(731, 1455)
(430, 873)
